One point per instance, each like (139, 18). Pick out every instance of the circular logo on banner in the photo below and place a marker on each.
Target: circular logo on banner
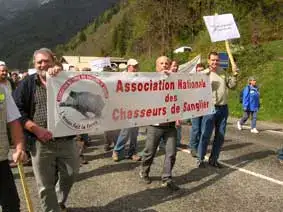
(80, 101)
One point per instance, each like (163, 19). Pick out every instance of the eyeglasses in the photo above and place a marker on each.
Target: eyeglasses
(42, 61)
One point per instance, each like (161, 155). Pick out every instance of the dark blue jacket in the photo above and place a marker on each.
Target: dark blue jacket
(24, 97)
(251, 98)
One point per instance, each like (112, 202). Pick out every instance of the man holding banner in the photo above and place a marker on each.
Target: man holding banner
(168, 132)
(55, 160)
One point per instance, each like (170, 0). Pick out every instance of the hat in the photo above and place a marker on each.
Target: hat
(2, 63)
(132, 62)
(251, 78)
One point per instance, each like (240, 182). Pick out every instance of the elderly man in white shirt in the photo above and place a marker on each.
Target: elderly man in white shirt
(9, 114)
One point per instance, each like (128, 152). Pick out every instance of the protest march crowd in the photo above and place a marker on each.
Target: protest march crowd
(23, 108)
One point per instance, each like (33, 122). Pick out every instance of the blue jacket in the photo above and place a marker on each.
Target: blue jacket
(251, 98)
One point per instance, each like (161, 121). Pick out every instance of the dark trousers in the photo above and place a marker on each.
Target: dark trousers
(9, 199)
(154, 134)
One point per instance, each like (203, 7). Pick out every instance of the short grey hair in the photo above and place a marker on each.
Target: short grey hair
(44, 51)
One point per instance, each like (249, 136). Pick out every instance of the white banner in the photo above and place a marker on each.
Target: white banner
(221, 27)
(190, 66)
(96, 102)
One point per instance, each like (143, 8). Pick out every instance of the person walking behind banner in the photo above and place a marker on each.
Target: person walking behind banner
(174, 67)
(125, 134)
(197, 130)
(220, 82)
(250, 102)
(9, 114)
(168, 132)
(55, 160)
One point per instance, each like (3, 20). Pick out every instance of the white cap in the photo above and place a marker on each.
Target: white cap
(132, 62)
(2, 63)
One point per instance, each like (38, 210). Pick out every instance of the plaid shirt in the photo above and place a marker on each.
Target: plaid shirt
(40, 107)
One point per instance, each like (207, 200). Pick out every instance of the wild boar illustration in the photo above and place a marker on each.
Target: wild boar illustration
(84, 102)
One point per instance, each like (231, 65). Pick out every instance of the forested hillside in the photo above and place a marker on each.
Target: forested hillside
(145, 29)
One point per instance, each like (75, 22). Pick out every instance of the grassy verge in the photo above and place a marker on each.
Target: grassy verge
(269, 73)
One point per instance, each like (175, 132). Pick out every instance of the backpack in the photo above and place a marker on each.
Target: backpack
(242, 94)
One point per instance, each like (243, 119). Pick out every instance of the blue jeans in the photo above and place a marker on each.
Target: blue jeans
(179, 135)
(195, 133)
(220, 122)
(124, 136)
(246, 117)
(280, 154)
(207, 125)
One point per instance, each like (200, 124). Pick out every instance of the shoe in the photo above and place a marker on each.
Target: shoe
(115, 156)
(144, 178)
(83, 161)
(135, 158)
(240, 127)
(215, 164)
(170, 185)
(107, 148)
(62, 207)
(200, 164)
(254, 130)
(193, 153)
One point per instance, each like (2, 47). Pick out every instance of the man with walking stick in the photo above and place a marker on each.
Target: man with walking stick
(9, 114)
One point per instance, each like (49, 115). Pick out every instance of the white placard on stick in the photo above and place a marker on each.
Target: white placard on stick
(99, 64)
(221, 27)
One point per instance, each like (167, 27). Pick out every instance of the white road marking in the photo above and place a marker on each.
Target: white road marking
(242, 170)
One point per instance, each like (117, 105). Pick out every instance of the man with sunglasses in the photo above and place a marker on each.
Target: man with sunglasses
(55, 160)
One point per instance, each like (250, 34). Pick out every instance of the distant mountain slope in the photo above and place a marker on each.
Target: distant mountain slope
(52, 23)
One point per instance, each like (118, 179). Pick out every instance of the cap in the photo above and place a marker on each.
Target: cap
(251, 78)
(132, 62)
(2, 63)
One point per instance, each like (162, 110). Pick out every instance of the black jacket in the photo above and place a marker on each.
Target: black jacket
(24, 96)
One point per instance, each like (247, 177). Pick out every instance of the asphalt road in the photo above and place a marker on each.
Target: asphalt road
(252, 180)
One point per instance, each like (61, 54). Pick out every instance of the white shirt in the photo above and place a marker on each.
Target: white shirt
(13, 112)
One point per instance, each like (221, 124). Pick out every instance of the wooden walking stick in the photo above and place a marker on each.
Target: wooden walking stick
(25, 188)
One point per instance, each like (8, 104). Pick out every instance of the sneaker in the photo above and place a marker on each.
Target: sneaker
(170, 185)
(107, 148)
(200, 164)
(215, 164)
(194, 153)
(240, 127)
(135, 158)
(115, 156)
(144, 178)
(83, 161)
(254, 130)
(62, 207)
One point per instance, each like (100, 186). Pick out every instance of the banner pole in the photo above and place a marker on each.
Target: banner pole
(25, 188)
